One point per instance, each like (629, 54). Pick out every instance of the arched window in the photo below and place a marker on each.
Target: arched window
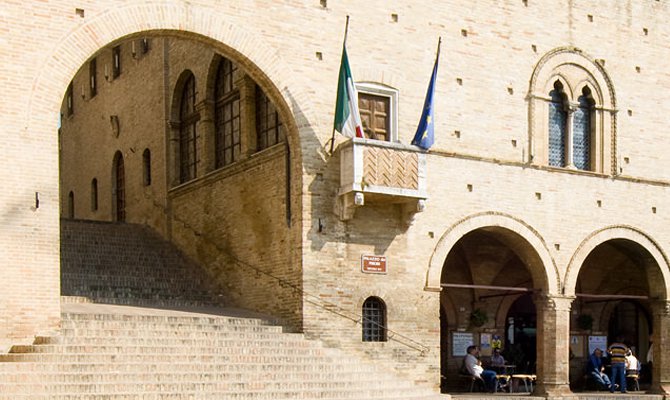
(572, 112)
(374, 320)
(558, 118)
(188, 135)
(119, 183)
(94, 194)
(70, 205)
(582, 131)
(146, 167)
(269, 127)
(227, 115)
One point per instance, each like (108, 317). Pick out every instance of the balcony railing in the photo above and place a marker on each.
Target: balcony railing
(376, 172)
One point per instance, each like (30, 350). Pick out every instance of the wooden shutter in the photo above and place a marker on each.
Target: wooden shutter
(374, 111)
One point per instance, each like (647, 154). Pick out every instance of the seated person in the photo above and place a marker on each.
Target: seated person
(497, 361)
(474, 368)
(632, 364)
(595, 369)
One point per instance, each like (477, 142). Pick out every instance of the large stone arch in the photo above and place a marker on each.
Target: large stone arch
(529, 245)
(619, 232)
(196, 21)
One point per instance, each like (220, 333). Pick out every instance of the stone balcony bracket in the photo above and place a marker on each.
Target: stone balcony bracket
(374, 172)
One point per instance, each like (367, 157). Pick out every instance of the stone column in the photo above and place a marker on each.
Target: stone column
(569, 133)
(206, 131)
(553, 342)
(660, 383)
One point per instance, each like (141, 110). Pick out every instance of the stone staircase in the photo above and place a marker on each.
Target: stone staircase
(192, 350)
(120, 263)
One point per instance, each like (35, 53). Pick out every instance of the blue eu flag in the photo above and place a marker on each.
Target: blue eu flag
(425, 133)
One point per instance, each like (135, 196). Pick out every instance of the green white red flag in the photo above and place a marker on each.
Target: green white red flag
(347, 117)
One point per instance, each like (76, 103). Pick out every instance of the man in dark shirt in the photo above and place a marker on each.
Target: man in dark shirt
(595, 370)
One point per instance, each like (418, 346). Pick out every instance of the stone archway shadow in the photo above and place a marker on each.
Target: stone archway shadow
(601, 236)
(527, 243)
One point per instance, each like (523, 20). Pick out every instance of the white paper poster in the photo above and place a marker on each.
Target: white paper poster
(460, 343)
(597, 342)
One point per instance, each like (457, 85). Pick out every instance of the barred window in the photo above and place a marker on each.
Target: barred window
(269, 127)
(557, 123)
(582, 131)
(227, 115)
(374, 320)
(188, 134)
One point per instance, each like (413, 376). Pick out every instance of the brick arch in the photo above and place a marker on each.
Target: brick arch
(199, 22)
(659, 283)
(523, 239)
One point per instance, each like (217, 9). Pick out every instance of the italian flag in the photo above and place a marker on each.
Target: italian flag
(347, 118)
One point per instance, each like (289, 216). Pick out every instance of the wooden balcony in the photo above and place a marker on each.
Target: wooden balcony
(377, 172)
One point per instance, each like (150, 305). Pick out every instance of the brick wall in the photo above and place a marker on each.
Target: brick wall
(489, 52)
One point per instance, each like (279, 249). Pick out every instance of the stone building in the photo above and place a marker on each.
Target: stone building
(537, 218)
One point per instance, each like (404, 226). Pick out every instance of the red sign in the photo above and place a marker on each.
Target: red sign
(373, 264)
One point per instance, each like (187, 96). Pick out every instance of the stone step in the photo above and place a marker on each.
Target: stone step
(72, 337)
(177, 350)
(266, 381)
(270, 390)
(199, 395)
(330, 369)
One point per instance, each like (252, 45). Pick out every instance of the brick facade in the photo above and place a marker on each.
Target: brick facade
(562, 232)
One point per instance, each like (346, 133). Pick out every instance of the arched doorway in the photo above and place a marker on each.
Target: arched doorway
(614, 291)
(488, 276)
(521, 335)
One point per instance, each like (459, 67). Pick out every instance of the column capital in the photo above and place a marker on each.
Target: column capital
(661, 308)
(553, 302)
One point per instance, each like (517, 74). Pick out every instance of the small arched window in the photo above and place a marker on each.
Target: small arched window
(94, 194)
(70, 205)
(227, 115)
(558, 118)
(188, 135)
(582, 131)
(146, 167)
(374, 320)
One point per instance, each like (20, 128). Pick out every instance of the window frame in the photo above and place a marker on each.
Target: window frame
(278, 130)
(575, 70)
(381, 90)
(228, 98)
(374, 328)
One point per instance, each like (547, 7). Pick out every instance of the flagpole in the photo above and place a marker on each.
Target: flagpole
(344, 43)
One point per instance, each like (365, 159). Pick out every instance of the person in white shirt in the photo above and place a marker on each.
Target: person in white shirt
(632, 364)
(474, 367)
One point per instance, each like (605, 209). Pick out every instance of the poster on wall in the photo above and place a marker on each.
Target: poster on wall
(485, 344)
(597, 342)
(496, 342)
(460, 342)
(577, 345)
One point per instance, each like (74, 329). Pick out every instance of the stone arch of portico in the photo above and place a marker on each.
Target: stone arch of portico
(194, 21)
(519, 236)
(659, 278)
